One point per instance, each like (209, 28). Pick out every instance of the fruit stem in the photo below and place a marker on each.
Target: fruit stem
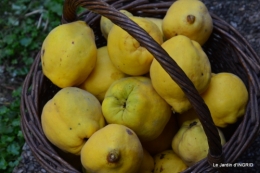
(113, 156)
(190, 19)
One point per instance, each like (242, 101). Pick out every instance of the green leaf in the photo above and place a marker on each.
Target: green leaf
(14, 61)
(26, 41)
(13, 149)
(3, 163)
(20, 134)
(3, 110)
(9, 39)
(16, 122)
(13, 21)
(15, 163)
(5, 130)
(56, 8)
(17, 92)
(7, 139)
(28, 61)
(8, 52)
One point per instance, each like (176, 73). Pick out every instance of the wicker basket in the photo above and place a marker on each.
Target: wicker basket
(227, 50)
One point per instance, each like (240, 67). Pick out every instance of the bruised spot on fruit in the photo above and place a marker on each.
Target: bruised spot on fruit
(162, 156)
(161, 169)
(43, 51)
(193, 124)
(202, 74)
(70, 128)
(72, 42)
(190, 19)
(79, 124)
(129, 132)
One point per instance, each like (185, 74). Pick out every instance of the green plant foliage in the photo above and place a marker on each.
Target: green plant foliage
(11, 139)
(23, 26)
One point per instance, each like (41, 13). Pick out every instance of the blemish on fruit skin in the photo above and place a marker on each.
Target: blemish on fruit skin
(70, 128)
(162, 156)
(161, 169)
(192, 124)
(190, 19)
(72, 42)
(129, 132)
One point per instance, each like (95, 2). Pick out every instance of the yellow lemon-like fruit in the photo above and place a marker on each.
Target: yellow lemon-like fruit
(102, 76)
(70, 118)
(114, 148)
(192, 60)
(125, 51)
(191, 143)
(106, 24)
(226, 98)
(158, 22)
(164, 140)
(147, 164)
(133, 102)
(68, 54)
(168, 162)
(190, 18)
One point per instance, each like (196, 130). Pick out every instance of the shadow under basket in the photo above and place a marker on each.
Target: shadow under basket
(227, 51)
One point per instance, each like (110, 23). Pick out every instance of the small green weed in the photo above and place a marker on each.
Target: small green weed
(23, 26)
(11, 139)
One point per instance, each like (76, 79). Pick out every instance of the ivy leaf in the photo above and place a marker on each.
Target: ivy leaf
(16, 123)
(25, 41)
(9, 39)
(3, 163)
(14, 149)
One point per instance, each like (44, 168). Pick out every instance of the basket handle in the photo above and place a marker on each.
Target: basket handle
(170, 66)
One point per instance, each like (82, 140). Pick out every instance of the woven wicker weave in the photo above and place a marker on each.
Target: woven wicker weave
(227, 50)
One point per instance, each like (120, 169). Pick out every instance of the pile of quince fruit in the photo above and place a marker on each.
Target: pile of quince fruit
(119, 110)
